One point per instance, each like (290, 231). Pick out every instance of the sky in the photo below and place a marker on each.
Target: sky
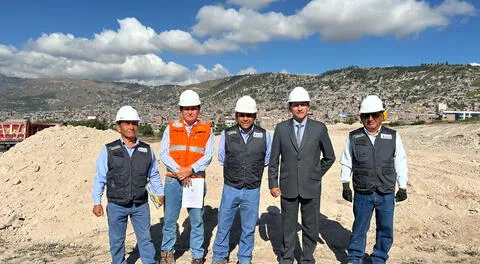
(183, 42)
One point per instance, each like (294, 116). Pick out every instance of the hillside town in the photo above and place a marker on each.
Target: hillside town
(411, 94)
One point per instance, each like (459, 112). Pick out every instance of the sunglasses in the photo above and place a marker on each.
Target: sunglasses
(246, 115)
(299, 104)
(373, 115)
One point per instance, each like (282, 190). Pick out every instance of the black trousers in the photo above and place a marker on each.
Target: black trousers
(310, 210)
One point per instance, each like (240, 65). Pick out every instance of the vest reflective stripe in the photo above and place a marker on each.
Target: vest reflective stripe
(178, 148)
(186, 149)
(193, 149)
(196, 149)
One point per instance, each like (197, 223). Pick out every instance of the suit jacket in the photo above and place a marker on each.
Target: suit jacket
(301, 167)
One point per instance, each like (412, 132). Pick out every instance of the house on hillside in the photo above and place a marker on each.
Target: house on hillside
(458, 115)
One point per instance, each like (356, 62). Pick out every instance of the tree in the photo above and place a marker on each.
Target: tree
(95, 123)
(145, 130)
(220, 127)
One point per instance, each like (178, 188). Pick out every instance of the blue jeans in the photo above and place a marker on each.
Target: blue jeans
(117, 228)
(248, 201)
(363, 206)
(172, 206)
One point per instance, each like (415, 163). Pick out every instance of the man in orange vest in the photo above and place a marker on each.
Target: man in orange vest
(186, 150)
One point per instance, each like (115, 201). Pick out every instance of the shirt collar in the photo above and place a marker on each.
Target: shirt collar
(245, 132)
(194, 124)
(370, 133)
(123, 142)
(303, 123)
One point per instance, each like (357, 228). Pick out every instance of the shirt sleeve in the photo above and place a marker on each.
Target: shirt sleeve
(269, 148)
(346, 162)
(168, 161)
(401, 163)
(203, 162)
(221, 148)
(100, 179)
(154, 177)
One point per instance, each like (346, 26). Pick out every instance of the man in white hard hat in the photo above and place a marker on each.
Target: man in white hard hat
(125, 166)
(244, 151)
(306, 153)
(374, 156)
(186, 150)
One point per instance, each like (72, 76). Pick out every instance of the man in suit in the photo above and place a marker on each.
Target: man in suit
(300, 142)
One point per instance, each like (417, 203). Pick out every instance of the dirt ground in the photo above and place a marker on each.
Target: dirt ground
(46, 183)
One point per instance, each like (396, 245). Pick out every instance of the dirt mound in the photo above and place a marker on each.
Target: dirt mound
(46, 182)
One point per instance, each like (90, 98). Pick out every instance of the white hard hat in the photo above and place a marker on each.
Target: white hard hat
(127, 113)
(371, 104)
(298, 94)
(246, 104)
(189, 98)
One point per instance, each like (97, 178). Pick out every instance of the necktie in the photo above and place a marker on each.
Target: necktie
(299, 134)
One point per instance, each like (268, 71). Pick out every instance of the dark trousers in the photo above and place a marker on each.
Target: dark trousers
(309, 210)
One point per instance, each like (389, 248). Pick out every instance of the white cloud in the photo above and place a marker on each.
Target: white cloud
(334, 20)
(456, 7)
(178, 41)
(474, 64)
(246, 26)
(214, 45)
(144, 68)
(352, 19)
(6, 54)
(284, 71)
(249, 70)
(252, 4)
(132, 52)
(128, 54)
(109, 46)
(202, 74)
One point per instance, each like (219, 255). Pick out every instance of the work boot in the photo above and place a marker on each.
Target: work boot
(198, 261)
(223, 261)
(166, 257)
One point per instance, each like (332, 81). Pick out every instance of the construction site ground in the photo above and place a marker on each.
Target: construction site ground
(46, 184)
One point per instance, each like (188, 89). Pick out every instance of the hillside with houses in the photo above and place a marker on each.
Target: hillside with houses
(411, 93)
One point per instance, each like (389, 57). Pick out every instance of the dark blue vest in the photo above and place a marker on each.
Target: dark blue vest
(244, 162)
(373, 166)
(127, 176)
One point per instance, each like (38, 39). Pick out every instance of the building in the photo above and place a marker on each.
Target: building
(458, 115)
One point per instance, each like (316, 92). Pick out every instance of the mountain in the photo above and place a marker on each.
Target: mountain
(410, 93)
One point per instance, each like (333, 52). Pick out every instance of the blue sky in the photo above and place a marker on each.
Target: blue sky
(183, 42)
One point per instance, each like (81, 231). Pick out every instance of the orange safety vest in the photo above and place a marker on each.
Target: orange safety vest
(187, 149)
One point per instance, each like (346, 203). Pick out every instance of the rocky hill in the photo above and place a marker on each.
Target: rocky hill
(410, 93)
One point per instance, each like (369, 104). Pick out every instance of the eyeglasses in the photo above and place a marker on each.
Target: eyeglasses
(250, 115)
(300, 104)
(373, 115)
